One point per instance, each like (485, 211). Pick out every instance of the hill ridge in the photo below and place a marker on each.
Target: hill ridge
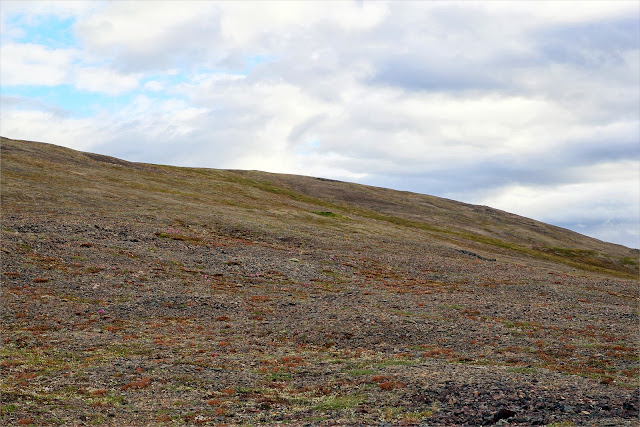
(491, 229)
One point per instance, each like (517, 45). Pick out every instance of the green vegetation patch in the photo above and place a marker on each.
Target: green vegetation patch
(385, 363)
(326, 213)
(339, 402)
(361, 372)
(594, 259)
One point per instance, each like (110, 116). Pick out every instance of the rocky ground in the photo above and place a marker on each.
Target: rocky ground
(137, 294)
(116, 322)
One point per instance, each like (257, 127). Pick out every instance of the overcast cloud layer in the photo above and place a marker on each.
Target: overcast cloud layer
(532, 108)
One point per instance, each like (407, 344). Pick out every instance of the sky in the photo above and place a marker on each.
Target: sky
(528, 107)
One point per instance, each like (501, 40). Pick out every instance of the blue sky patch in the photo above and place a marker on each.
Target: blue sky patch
(65, 97)
(255, 60)
(46, 30)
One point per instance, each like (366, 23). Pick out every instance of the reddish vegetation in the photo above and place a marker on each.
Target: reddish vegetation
(138, 384)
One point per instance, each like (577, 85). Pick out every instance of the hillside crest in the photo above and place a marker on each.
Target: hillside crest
(80, 178)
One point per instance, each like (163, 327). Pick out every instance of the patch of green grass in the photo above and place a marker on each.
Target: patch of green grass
(42, 361)
(334, 274)
(279, 376)
(97, 420)
(593, 260)
(326, 213)
(329, 214)
(24, 247)
(452, 306)
(271, 188)
(417, 416)
(115, 399)
(361, 372)
(7, 409)
(339, 402)
(589, 263)
(391, 413)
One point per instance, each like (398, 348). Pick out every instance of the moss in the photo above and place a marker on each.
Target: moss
(326, 213)
(278, 376)
(339, 402)
(453, 306)
(8, 409)
(361, 372)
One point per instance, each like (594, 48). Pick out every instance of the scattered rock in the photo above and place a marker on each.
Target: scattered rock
(475, 255)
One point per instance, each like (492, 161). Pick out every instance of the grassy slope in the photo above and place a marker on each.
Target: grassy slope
(270, 203)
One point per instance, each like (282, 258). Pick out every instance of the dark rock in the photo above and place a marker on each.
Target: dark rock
(475, 255)
(503, 414)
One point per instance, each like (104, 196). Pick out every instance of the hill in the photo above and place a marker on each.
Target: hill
(148, 294)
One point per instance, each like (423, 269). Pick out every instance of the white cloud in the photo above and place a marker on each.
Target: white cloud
(544, 13)
(31, 64)
(152, 35)
(33, 125)
(153, 86)
(140, 27)
(420, 131)
(105, 81)
(606, 202)
(244, 22)
(37, 65)
(261, 129)
(34, 9)
(605, 190)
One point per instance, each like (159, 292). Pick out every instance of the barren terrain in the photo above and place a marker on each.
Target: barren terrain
(138, 294)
